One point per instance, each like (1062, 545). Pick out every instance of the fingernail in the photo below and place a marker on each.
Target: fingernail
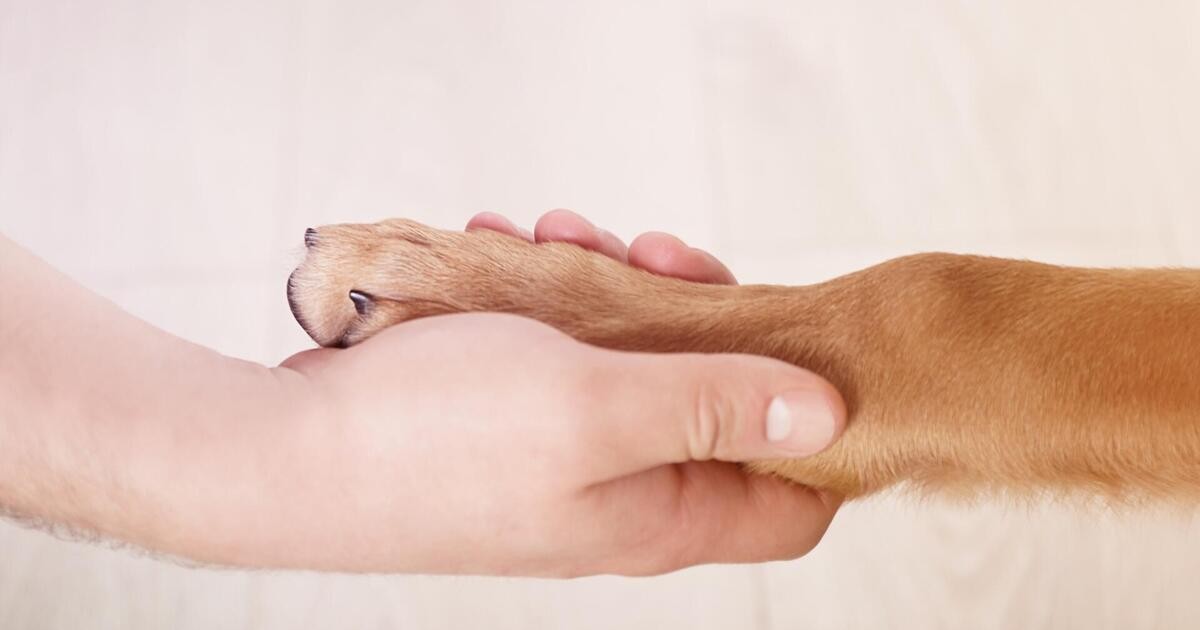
(582, 219)
(801, 422)
(589, 226)
(509, 224)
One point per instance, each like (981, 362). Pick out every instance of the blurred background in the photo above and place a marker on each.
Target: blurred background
(169, 155)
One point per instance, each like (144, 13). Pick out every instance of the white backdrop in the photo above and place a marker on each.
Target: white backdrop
(170, 154)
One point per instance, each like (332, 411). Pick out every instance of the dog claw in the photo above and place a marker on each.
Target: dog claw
(310, 237)
(362, 302)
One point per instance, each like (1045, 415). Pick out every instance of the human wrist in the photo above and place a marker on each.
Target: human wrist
(192, 469)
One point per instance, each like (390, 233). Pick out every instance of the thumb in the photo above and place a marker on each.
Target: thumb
(672, 408)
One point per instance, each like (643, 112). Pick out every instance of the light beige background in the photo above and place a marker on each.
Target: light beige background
(170, 154)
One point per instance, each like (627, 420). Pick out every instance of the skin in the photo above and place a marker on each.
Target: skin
(472, 444)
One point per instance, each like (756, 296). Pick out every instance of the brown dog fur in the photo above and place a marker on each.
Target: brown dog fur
(959, 372)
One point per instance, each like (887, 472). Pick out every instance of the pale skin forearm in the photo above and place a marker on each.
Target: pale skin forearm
(111, 426)
(465, 444)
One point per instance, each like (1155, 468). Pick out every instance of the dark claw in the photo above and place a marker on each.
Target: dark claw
(310, 237)
(362, 302)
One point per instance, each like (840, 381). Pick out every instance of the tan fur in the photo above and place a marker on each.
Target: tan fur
(960, 372)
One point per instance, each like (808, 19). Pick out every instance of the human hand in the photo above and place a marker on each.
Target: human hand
(487, 443)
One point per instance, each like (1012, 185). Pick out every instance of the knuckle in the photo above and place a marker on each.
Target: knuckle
(710, 424)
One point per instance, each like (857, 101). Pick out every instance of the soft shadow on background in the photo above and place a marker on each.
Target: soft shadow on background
(169, 155)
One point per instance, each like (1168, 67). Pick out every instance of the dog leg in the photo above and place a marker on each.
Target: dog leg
(960, 372)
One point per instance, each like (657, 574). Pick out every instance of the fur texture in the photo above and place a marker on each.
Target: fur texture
(961, 373)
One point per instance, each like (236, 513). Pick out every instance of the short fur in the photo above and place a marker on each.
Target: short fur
(959, 372)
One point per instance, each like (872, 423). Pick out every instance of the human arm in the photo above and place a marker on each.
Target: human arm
(440, 447)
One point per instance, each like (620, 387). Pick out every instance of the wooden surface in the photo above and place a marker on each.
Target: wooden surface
(170, 155)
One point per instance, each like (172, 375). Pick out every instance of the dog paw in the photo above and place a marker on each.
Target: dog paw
(357, 279)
